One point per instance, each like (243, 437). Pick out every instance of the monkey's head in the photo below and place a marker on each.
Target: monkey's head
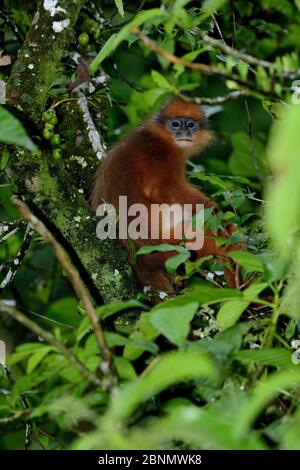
(186, 123)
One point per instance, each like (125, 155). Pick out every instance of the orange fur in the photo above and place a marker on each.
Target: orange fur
(149, 167)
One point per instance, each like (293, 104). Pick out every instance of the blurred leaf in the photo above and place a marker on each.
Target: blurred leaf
(12, 131)
(277, 357)
(211, 6)
(37, 358)
(160, 80)
(175, 261)
(107, 310)
(230, 312)
(145, 250)
(116, 39)
(263, 393)
(4, 159)
(119, 5)
(282, 210)
(124, 368)
(172, 319)
(165, 371)
(247, 260)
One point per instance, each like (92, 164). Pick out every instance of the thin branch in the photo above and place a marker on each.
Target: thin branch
(13, 418)
(218, 99)
(94, 136)
(199, 67)
(106, 366)
(204, 68)
(50, 338)
(249, 59)
(24, 403)
(7, 229)
(17, 261)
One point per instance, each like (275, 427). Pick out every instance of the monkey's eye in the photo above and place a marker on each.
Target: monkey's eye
(191, 124)
(175, 124)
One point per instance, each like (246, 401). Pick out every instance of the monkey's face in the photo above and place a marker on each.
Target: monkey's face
(184, 130)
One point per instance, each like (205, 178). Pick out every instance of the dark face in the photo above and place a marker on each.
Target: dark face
(184, 129)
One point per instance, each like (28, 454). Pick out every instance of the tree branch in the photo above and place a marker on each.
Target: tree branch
(249, 59)
(218, 99)
(203, 68)
(50, 338)
(106, 366)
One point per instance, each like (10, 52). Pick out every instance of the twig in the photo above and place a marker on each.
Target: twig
(249, 59)
(218, 99)
(93, 134)
(204, 68)
(17, 261)
(106, 366)
(16, 417)
(50, 338)
(199, 67)
(24, 403)
(8, 229)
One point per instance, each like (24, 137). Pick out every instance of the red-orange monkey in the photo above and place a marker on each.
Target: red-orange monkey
(148, 166)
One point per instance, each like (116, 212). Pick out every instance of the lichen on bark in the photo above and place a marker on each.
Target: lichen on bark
(58, 190)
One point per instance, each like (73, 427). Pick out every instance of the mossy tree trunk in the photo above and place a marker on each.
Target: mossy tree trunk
(59, 190)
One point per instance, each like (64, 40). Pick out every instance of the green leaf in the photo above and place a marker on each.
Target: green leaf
(4, 159)
(211, 6)
(172, 319)
(144, 335)
(165, 371)
(119, 5)
(124, 368)
(252, 292)
(116, 39)
(230, 312)
(107, 310)
(146, 250)
(64, 310)
(277, 357)
(160, 80)
(262, 394)
(175, 261)
(37, 358)
(12, 131)
(25, 350)
(209, 295)
(247, 260)
(282, 210)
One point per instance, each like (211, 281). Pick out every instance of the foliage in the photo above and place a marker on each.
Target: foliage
(210, 367)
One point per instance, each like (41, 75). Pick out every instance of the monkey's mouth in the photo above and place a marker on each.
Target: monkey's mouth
(184, 142)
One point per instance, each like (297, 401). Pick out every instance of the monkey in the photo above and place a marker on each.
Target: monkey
(148, 166)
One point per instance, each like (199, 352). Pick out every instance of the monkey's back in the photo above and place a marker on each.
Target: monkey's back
(131, 165)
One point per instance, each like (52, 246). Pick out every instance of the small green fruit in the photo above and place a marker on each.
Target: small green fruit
(54, 120)
(48, 134)
(48, 115)
(55, 141)
(49, 126)
(83, 39)
(57, 154)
